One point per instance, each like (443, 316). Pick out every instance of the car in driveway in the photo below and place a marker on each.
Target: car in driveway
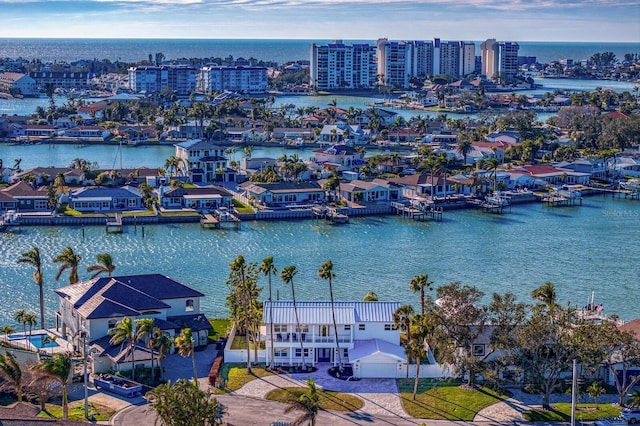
(631, 415)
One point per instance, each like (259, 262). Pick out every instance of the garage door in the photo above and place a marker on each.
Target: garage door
(378, 370)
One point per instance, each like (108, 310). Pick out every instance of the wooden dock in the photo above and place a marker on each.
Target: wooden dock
(9, 219)
(488, 207)
(330, 214)
(560, 201)
(115, 225)
(208, 221)
(418, 212)
(619, 193)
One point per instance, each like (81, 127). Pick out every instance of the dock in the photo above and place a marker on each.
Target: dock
(627, 194)
(115, 225)
(208, 221)
(330, 214)
(418, 211)
(489, 207)
(555, 200)
(9, 219)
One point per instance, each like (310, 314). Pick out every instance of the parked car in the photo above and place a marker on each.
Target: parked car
(631, 415)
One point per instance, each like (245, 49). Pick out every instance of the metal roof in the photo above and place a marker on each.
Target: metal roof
(320, 312)
(366, 348)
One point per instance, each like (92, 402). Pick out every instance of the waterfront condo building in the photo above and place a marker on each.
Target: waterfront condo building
(16, 83)
(454, 58)
(151, 80)
(238, 79)
(500, 60)
(340, 66)
(61, 79)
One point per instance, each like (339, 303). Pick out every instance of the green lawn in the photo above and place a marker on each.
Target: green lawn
(97, 412)
(178, 213)
(240, 342)
(445, 400)
(241, 207)
(235, 375)
(220, 327)
(328, 400)
(561, 412)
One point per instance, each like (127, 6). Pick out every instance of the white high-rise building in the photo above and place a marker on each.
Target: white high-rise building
(500, 60)
(179, 79)
(238, 79)
(341, 66)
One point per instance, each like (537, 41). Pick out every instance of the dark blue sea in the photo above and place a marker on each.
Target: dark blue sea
(280, 51)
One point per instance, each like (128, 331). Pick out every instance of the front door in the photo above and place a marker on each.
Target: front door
(324, 354)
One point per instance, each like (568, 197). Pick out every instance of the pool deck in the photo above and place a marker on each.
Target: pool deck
(21, 340)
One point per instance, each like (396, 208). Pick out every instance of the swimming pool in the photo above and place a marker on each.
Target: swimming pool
(39, 340)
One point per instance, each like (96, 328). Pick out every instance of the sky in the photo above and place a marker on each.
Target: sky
(518, 20)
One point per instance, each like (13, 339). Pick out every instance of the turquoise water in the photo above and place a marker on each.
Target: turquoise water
(36, 340)
(579, 249)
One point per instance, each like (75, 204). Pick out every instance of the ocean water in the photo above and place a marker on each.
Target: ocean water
(592, 248)
(280, 51)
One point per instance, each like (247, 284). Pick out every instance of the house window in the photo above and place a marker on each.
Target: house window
(361, 327)
(280, 352)
(299, 351)
(189, 305)
(112, 323)
(388, 327)
(347, 327)
(345, 353)
(279, 328)
(304, 328)
(478, 350)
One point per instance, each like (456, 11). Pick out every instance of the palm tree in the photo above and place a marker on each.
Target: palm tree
(418, 284)
(31, 320)
(71, 261)
(546, 293)
(268, 268)
(286, 276)
(20, 317)
(146, 329)
(326, 273)
(32, 257)
(105, 264)
(11, 372)
(308, 403)
(125, 330)
(7, 330)
(402, 321)
(493, 164)
(238, 266)
(370, 297)
(634, 399)
(163, 344)
(58, 367)
(185, 347)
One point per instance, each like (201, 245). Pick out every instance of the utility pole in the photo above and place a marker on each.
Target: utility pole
(574, 386)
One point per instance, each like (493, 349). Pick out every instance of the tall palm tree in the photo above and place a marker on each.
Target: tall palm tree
(146, 328)
(163, 344)
(69, 260)
(418, 284)
(326, 273)
(286, 276)
(402, 321)
(11, 372)
(268, 268)
(20, 317)
(58, 367)
(31, 320)
(238, 266)
(125, 331)
(32, 257)
(105, 264)
(185, 347)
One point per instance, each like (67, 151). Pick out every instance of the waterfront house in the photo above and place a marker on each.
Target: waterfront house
(292, 133)
(18, 84)
(87, 132)
(91, 308)
(509, 136)
(367, 338)
(341, 132)
(424, 185)
(47, 175)
(202, 161)
(101, 199)
(246, 134)
(136, 132)
(26, 198)
(283, 194)
(597, 168)
(339, 157)
(547, 174)
(627, 165)
(199, 198)
(375, 191)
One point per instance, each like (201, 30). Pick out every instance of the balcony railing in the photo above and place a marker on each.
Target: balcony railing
(306, 337)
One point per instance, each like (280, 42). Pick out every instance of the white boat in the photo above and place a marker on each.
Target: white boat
(224, 215)
(631, 185)
(498, 199)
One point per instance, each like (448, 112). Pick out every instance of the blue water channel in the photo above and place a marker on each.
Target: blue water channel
(593, 247)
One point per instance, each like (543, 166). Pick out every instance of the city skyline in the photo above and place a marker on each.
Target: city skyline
(536, 20)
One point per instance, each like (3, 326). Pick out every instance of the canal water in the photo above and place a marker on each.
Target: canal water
(585, 249)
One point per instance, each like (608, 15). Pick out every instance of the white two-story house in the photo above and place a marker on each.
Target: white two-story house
(88, 310)
(367, 339)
